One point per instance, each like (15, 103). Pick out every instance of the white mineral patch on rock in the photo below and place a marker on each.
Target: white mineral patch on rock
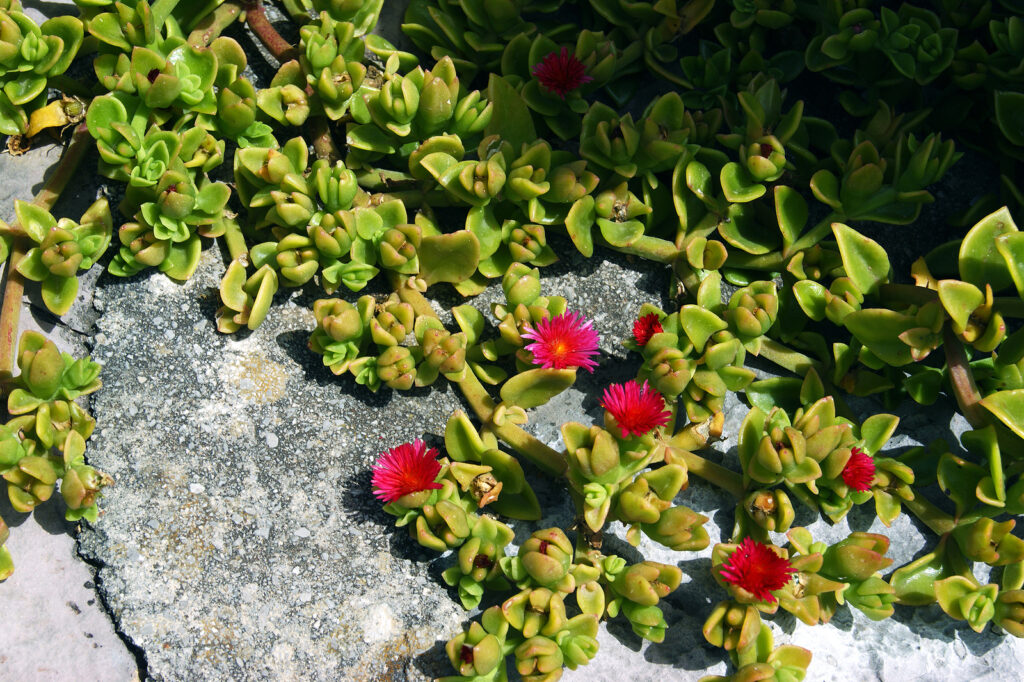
(379, 624)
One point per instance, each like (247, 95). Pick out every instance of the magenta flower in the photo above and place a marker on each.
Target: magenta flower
(756, 568)
(859, 472)
(566, 341)
(561, 73)
(645, 327)
(637, 409)
(408, 468)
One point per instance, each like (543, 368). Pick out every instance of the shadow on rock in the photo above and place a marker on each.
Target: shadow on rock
(932, 622)
(433, 663)
(294, 343)
(49, 515)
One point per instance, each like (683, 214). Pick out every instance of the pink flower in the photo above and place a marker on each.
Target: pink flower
(409, 468)
(561, 73)
(859, 472)
(637, 409)
(566, 341)
(756, 568)
(645, 327)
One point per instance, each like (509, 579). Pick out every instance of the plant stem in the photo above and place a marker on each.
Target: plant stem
(549, 460)
(10, 312)
(214, 23)
(962, 380)
(323, 142)
(939, 521)
(726, 479)
(256, 18)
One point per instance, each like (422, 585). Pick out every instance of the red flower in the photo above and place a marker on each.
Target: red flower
(568, 340)
(409, 468)
(859, 472)
(645, 327)
(637, 409)
(757, 569)
(561, 73)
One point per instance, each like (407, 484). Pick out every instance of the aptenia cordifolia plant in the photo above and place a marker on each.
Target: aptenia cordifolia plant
(520, 124)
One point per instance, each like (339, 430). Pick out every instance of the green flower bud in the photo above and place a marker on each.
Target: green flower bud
(398, 248)
(526, 242)
(670, 372)
(392, 323)
(570, 182)
(873, 596)
(990, 542)
(442, 526)
(546, 556)
(1009, 612)
(856, 558)
(782, 455)
(41, 365)
(444, 351)
(330, 236)
(521, 284)
(539, 659)
(397, 368)
(439, 95)
(80, 486)
(637, 503)
(679, 528)
(536, 611)
(647, 621)
(475, 652)
(339, 319)
(648, 582)
(732, 626)
(472, 114)
(964, 599)
(764, 158)
(752, 310)
(236, 108)
(770, 509)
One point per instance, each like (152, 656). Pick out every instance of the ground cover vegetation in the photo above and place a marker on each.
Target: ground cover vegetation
(515, 129)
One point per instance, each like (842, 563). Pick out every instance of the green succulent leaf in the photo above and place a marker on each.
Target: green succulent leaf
(535, 387)
(864, 260)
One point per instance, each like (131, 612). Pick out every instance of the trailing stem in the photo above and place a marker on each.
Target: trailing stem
(10, 312)
(323, 142)
(939, 521)
(962, 380)
(546, 458)
(256, 18)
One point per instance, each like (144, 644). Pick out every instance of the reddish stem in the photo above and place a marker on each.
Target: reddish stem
(962, 380)
(10, 312)
(256, 18)
(323, 142)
